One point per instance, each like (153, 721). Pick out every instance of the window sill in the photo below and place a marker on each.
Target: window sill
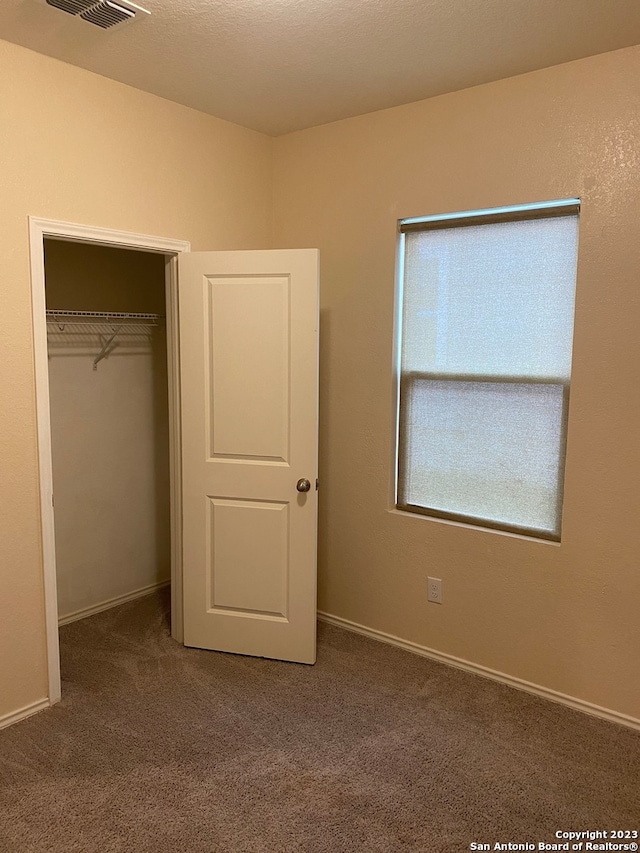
(475, 527)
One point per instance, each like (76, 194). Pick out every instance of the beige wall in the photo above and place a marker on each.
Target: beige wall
(109, 427)
(86, 277)
(564, 617)
(77, 147)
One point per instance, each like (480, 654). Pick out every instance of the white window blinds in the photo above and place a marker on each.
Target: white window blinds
(486, 333)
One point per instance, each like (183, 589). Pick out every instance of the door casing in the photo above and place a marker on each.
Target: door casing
(39, 229)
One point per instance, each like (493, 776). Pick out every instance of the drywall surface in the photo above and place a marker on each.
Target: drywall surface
(564, 617)
(109, 427)
(81, 148)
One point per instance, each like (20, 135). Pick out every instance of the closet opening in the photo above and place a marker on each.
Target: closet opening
(109, 409)
(105, 324)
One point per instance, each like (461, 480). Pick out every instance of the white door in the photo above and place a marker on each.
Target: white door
(249, 391)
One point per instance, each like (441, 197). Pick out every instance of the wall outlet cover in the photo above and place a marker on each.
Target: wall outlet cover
(434, 590)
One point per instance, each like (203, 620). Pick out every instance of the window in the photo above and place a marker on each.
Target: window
(486, 326)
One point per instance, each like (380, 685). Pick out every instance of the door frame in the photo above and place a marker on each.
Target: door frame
(39, 229)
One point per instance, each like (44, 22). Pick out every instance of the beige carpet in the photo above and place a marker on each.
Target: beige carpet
(158, 748)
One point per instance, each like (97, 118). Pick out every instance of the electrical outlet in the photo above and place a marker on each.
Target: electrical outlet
(434, 590)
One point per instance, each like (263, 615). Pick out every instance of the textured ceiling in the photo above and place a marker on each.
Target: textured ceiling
(282, 65)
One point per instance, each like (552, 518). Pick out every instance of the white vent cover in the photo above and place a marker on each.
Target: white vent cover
(102, 13)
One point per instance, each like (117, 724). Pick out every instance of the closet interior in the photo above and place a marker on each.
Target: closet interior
(108, 391)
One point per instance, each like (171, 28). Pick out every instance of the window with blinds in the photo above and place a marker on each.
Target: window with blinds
(486, 327)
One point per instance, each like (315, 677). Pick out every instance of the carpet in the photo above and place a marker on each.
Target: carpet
(156, 748)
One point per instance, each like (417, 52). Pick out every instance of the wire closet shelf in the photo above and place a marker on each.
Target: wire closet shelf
(113, 322)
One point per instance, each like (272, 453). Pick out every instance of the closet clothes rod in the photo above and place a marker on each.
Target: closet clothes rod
(117, 321)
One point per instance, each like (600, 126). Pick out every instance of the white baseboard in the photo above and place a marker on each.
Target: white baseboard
(485, 672)
(111, 602)
(23, 713)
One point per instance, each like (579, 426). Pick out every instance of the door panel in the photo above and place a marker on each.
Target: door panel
(239, 529)
(249, 388)
(250, 417)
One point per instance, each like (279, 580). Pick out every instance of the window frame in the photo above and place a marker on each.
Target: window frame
(514, 213)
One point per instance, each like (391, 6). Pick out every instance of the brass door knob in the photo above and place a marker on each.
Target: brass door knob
(303, 485)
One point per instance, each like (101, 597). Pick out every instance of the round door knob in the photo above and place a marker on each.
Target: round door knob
(303, 485)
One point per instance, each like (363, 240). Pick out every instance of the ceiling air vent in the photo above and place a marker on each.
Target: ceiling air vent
(102, 13)
(74, 7)
(107, 14)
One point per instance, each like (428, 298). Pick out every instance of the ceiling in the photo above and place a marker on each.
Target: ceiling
(283, 65)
